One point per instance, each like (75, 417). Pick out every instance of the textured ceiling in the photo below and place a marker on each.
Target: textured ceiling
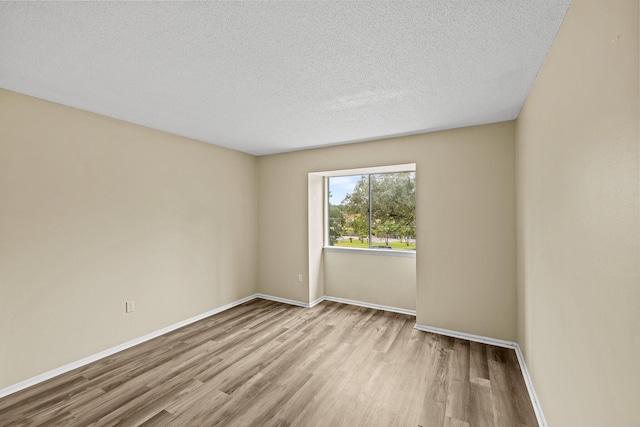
(269, 77)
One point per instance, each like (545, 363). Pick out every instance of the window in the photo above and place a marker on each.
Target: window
(372, 211)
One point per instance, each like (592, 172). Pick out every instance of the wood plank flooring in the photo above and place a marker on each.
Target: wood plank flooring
(264, 363)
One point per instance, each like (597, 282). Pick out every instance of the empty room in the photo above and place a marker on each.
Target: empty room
(310, 213)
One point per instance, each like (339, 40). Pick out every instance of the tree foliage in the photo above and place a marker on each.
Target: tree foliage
(336, 222)
(393, 205)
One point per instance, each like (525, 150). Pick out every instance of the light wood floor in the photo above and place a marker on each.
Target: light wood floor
(269, 364)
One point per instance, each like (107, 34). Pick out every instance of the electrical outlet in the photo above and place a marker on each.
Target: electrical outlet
(130, 306)
(299, 277)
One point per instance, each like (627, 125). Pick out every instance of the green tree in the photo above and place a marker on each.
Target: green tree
(336, 223)
(386, 229)
(357, 202)
(356, 224)
(393, 205)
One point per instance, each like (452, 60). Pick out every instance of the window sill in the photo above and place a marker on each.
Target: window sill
(382, 252)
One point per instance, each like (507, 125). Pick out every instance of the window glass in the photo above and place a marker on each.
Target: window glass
(372, 211)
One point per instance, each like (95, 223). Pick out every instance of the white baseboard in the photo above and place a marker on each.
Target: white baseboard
(317, 301)
(371, 305)
(283, 300)
(498, 343)
(465, 336)
(336, 299)
(108, 352)
(532, 393)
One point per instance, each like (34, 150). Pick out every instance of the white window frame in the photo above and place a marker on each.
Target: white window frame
(408, 167)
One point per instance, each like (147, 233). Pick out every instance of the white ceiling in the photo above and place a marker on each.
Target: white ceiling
(270, 77)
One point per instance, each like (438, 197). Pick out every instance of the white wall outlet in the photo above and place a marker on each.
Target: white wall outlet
(299, 277)
(130, 306)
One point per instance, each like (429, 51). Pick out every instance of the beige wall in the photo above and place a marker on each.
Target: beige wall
(465, 180)
(94, 212)
(578, 220)
(376, 279)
